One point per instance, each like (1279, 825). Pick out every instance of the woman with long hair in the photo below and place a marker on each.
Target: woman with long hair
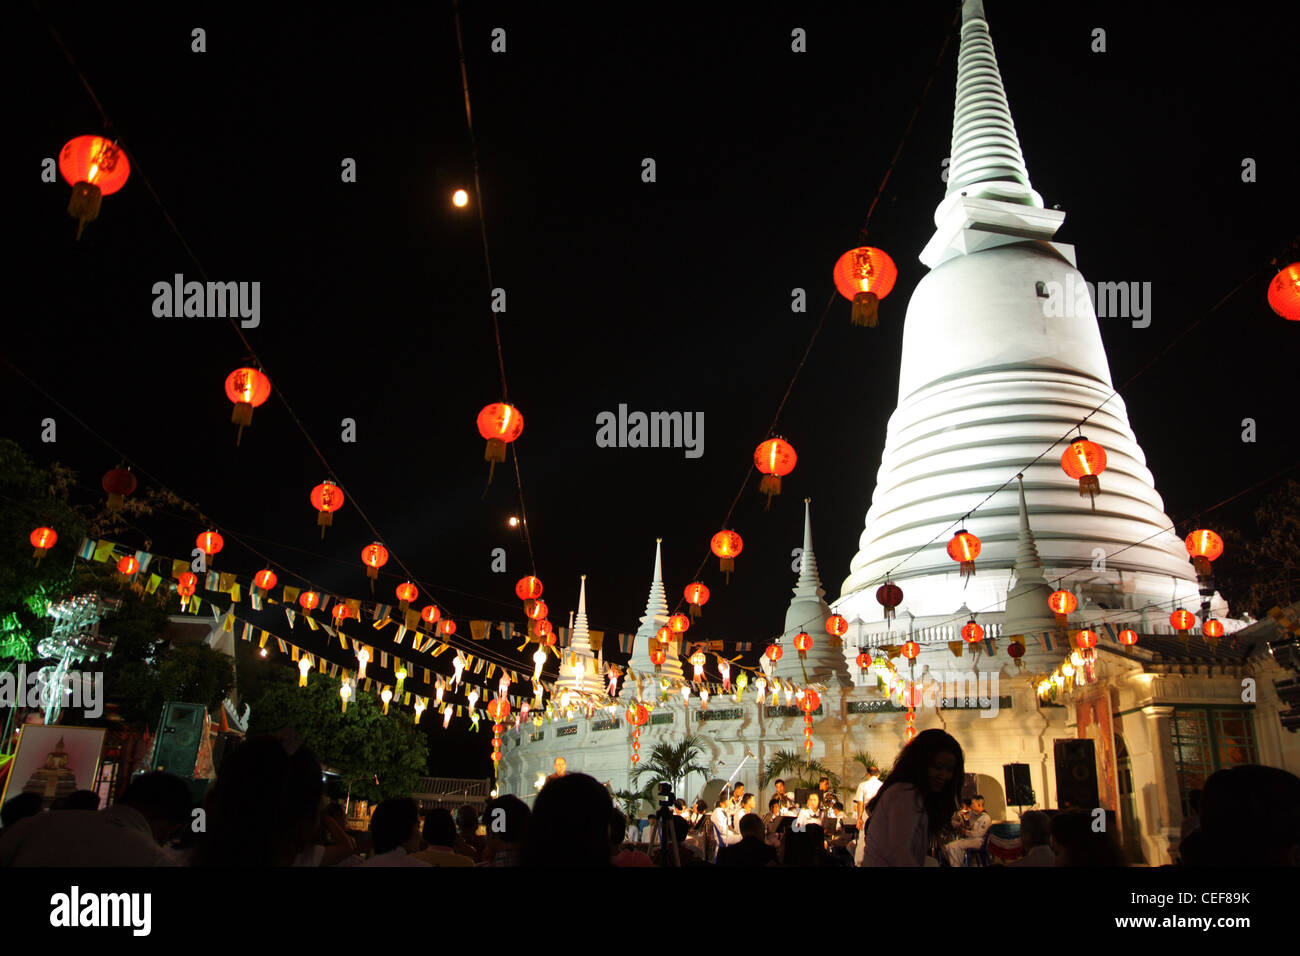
(917, 798)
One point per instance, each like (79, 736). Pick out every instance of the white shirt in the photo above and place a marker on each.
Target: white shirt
(1038, 856)
(807, 817)
(727, 836)
(899, 831)
(866, 792)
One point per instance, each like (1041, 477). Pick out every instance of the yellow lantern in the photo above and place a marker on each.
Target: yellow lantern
(386, 695)
(304, 666)
(345, 691)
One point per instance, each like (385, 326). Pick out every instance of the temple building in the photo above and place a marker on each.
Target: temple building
(991, 383)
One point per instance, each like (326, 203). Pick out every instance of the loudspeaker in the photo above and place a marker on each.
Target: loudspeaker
(1016, 783)
(969, 787)
(176, 747)
(1076, 775)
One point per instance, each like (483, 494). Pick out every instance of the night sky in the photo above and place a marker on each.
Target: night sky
(671, 296)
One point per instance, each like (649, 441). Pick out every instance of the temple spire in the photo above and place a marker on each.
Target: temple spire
(986, 158)
(808, 611)
(580, 649)
(1027, 608)
(655, 617)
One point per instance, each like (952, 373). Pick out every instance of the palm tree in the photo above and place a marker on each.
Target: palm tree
(787, 764)
(868, 761)
(630, 801)
(671, 763)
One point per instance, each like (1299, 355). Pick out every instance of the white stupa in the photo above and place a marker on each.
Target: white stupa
(988, 381)
(579, 666)
(655, 617)
(808, 611)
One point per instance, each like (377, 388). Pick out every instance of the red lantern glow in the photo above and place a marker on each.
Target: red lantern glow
(810, 701)
(911, 696)
(836, 625)
(42, 540)
(447, 627)
(1284, 293)
(1204, 546)
(374, 556)
(499, 424)
(1085, 460)
(658, 655)
(1062, 603)
(864, 276)
(638, 715)
(1085, 639)
(406, 593)
(1127, 637)
(94, 167)
(188, 579)
(1182, 620)
(309, 600)
(341, 612)
(247, 388)
(972, 633)
(1212, 629)
(726, 545)
(863, 660)
(431, 614)
(774, 458)
(498, 709)
(803, 642)
(774, 652)
(529, 588)
(911, 649)
(697, 595)
(209, 542)
(265, 579)
(964, 548)
(679, 623)
(128, 565)
(326, 498)
(1015, 650)
(536, 610)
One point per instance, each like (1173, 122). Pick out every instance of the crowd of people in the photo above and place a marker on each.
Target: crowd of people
(267, 808)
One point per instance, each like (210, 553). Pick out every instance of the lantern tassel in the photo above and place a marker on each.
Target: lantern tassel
(694, 612)
(865, 305)
(770, 485)
(1090, 487)
(967, 570)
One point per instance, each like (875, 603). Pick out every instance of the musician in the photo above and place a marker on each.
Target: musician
(787, 800)
(772, 821)
(724, 833)
(829, 798)
(974, 833)
(812, 813)
(734, 805)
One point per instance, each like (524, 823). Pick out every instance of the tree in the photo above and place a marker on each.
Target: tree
(378, 755)
(671, 763)
(787, 764)
(1260, 568)
(868, 760)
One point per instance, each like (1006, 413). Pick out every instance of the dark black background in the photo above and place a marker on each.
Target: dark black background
(666, 296)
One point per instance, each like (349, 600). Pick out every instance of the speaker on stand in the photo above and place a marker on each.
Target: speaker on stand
(1076, 774)
(1018, 786)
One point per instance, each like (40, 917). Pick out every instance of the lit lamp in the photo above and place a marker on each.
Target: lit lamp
(386, 695)
(419, 708)
(304, 666)
(345, 691)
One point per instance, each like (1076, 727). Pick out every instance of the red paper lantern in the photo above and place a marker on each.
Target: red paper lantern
(638, 715)
(529, 588)
(185, 594)
(663, 635)
(658, 655)
(679, 623)
(836, 625)
(188, 579)
(890, 596)
(499, 424)
(774, 458)
(447, 627)
(128, 565)
(1085, 639)
(972, 633)
(964, 548)
(1085, 460)
(911, 696)
(265, 579)
(864, 276)
(118, 483)
(1015, 650)
(406, 593)
(803, 642)
(341, 612)
(1062, 603)
(911, 649)
(1284, 292)
(863, 660)
(430, 614)
(810, 702)
(1204, 546)
(774, 652)
(1127, 637)
(910, 734)
(697, 595)
(309, 600)
(209, 542)
(544, 629)
(326, 498)
(1182, 620)
(498, 709)
(42, 540)
(247, 388)
(536, 610)
(94, 167)
(726, 545)
(374, 556)
(1212, 629)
